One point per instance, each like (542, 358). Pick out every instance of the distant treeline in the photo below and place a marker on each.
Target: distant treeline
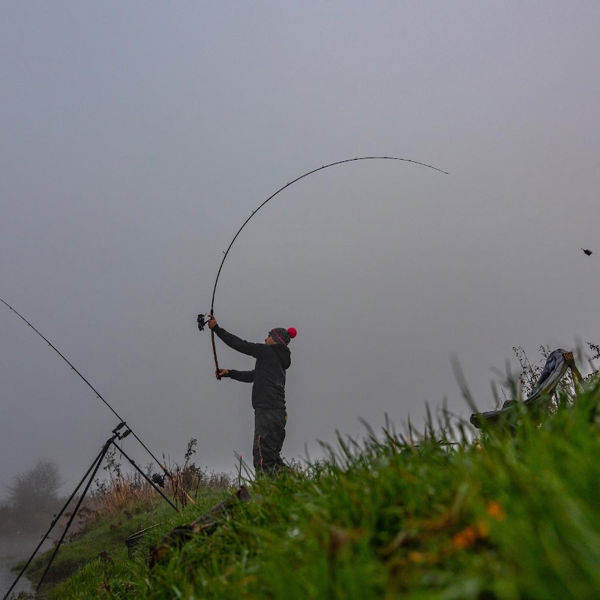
(32, 500)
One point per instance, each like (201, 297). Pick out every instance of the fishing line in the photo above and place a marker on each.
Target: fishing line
(201, 318)
(74, 368)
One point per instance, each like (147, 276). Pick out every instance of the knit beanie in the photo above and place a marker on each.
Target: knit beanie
(283, 336)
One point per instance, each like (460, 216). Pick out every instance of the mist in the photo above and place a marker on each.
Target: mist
(138, 138)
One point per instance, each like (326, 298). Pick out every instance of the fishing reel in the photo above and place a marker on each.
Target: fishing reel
(159, 480)
(203, 320)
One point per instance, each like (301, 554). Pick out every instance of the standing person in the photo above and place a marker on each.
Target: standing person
(268, 391)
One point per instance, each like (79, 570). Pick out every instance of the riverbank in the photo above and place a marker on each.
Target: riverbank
(510, 515)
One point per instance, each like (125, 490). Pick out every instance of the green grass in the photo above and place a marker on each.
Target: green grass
(506, 516)
(100, 554)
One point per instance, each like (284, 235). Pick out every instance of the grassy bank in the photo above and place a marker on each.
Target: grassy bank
(505, 516)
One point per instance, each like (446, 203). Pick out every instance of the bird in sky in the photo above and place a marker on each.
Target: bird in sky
(586, 251)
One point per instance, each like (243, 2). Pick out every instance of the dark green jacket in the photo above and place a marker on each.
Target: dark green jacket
(268, 376)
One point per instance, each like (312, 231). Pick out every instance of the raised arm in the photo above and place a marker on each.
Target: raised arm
(233, 341)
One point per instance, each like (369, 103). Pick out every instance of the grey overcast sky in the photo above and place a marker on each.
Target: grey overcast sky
(135, 138)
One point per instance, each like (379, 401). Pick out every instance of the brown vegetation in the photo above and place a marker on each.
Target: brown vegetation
(124, 493)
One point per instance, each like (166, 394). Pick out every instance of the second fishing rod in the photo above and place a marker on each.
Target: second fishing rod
(98, 394)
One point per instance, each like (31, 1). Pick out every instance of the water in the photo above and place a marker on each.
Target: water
(11, 552)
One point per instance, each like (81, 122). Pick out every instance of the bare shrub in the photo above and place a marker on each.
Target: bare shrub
(33, 495)
(126, 492)
(189, 480)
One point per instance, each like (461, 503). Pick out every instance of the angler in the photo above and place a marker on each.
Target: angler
(268, 391)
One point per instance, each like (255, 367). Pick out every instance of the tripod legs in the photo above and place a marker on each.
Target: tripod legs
(88, 478)
(95, 467)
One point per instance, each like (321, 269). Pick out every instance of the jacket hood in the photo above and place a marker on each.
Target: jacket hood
(283, 354)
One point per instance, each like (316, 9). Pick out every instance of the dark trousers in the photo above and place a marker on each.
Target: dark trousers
(269, 433)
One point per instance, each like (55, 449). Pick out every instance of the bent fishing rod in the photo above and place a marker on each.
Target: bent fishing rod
(98, 394)
(202, 318)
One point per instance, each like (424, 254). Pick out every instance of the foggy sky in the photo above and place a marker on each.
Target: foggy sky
(137, 137)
